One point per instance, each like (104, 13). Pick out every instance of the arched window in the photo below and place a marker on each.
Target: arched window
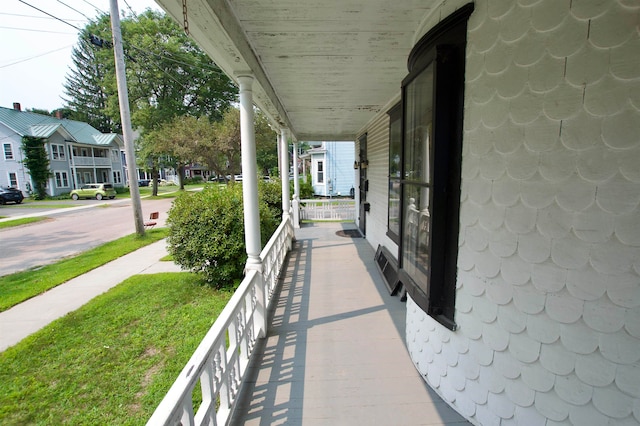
(432, 110)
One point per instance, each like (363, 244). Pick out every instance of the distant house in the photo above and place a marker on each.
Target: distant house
(331, 166)
(78, 153)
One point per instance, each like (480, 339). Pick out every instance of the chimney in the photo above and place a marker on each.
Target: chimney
(59, 114)
(16, 106)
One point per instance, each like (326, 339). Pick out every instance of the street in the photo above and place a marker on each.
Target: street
(67, 232)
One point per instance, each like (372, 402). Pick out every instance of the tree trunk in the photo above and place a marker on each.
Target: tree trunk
(155, 175)
(181, 176)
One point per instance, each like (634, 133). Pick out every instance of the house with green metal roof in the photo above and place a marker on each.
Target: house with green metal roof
(78, 153)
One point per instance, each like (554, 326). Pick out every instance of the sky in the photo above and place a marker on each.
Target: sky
(35, 48)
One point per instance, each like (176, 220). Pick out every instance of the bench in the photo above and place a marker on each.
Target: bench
(153, 217)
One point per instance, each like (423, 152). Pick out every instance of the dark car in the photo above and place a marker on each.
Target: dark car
(10, 195)
(144, 182)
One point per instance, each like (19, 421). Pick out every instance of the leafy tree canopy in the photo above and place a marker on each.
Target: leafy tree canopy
(167, 75)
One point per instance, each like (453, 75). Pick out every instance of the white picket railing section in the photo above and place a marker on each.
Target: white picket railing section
(336, 209)
(218, 365)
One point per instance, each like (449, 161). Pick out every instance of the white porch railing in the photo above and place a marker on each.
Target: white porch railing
(328, 209)
(91, 161)
(219, 366)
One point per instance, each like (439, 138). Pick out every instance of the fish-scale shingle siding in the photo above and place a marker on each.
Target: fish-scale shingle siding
(548, 297)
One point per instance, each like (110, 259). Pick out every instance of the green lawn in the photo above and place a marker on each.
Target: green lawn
(21, 221)
(111, 361)
(18, 287)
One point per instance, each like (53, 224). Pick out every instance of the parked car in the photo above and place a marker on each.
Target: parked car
(94, 190)
(144, 182)
(10, 195)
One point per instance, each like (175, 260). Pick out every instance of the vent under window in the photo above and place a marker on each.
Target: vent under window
(388, 268)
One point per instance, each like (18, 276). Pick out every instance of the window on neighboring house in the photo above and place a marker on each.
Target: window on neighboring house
(13, 180)
(432, 110)
(8, 151)
(115, 155)
(395, 153)
(320, 172)
(57, 152)
(117, 178)
(62, 179)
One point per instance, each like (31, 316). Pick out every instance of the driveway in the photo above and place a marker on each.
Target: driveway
(67, 232)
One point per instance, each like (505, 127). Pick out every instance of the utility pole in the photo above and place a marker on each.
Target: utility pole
(125, 115)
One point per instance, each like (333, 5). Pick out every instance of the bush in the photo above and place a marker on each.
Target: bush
(195, 180)
(306, 188)
(206, 233)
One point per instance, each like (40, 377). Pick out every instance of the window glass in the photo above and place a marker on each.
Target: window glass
(320, 172)
(418, 118)
(417, 221)
(13, 180)
(62, 179)
(395, 146)
(8, 152)
(395, 170)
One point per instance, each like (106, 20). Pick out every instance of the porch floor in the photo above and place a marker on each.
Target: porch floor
(335, 351)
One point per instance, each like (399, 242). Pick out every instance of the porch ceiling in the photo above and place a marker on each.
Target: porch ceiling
(322, 68)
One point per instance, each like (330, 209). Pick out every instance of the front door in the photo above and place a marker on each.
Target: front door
(363, 185)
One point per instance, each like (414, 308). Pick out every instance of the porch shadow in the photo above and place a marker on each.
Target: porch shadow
(335, 351)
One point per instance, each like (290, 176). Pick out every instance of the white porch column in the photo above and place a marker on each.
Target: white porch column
(296, 188)
(249, 173)
(284, 173)
(296, 183)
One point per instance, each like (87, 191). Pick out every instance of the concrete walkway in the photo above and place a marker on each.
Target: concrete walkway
(35, 313)
(335, 351)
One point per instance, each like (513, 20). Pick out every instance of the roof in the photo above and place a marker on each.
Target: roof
(322, 69)
(26, 123)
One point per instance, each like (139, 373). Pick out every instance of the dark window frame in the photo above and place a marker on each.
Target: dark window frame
(444, 47)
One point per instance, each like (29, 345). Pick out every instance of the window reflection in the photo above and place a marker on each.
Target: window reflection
(417, 175)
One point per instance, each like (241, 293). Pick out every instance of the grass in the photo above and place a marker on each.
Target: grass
(49, 204)
(111, 361)
(18, 287)
(21, 221)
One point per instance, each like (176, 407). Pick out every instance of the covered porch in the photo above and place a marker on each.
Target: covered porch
(334, 351)
(329, 349)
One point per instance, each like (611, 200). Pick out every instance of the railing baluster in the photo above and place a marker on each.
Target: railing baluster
(221, 368)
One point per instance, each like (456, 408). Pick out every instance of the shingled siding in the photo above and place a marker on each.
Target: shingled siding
(548, 297)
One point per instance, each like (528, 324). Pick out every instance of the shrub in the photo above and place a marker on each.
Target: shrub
(271, 193)
(306, 188)
(206, 233)
(195, 180)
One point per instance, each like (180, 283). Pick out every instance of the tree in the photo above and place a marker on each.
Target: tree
(37, 161)
(39, 111)
(167, 75)
(266, 145)
(223, 154)
(181, 141)
(89, 85)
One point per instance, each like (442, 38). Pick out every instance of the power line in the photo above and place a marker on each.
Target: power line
(100, 12)
(36, 31)
(47, 13)
(75, 10)
(37, 56)
(36, 17)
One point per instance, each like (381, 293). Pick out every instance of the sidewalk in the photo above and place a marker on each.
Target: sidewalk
(35, 313)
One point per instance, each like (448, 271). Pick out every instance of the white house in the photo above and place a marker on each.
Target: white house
(78, 153)
(502, 140)
(332, 171)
